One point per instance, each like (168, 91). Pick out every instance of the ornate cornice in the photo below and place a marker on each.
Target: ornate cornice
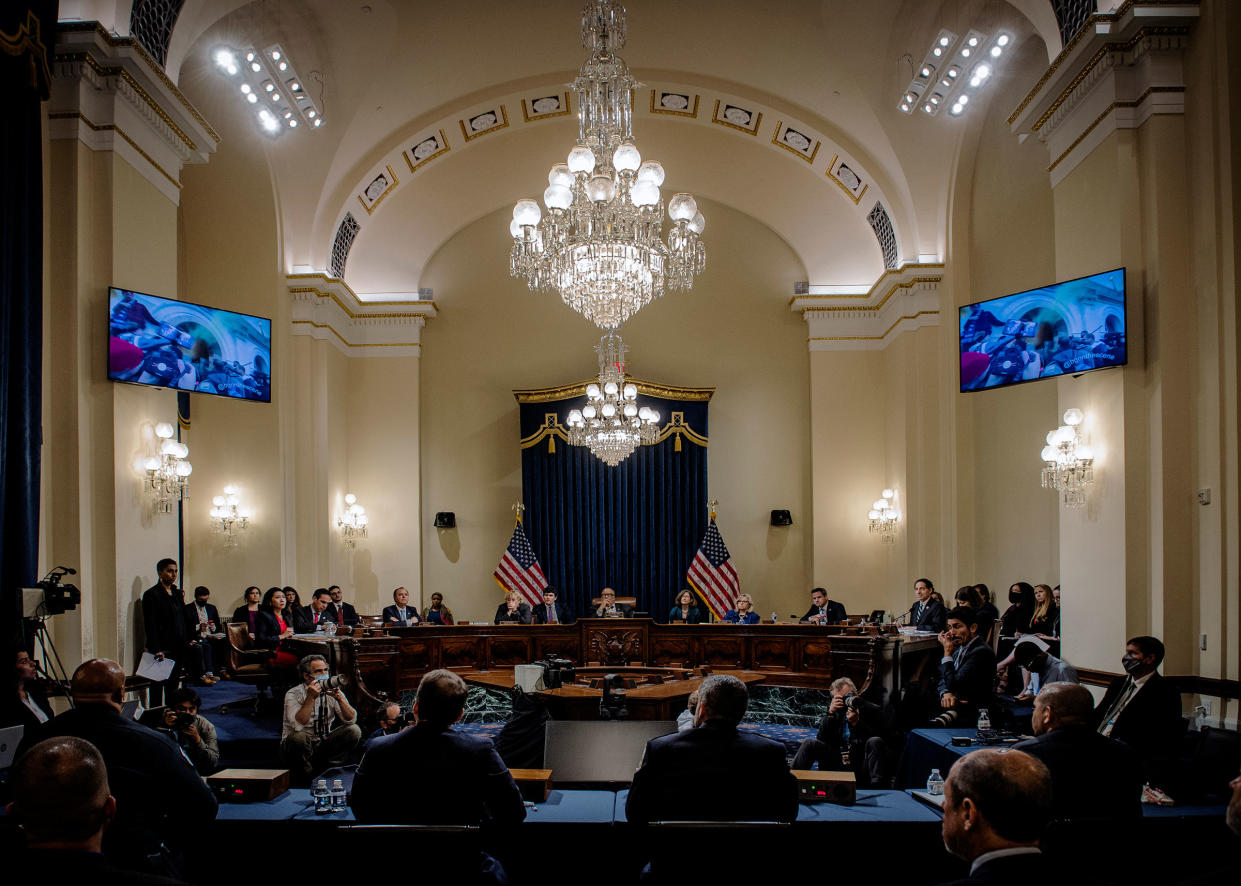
(901, 300)
(578, 389)
(325, 308)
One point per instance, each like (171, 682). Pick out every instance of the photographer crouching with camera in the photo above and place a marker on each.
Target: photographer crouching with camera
(310, 738)
(850, 738)
(193, 733)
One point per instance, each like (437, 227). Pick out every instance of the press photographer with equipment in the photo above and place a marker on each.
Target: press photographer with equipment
(850, 738)
(193, 733)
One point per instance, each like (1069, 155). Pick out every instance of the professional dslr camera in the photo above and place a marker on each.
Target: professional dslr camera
(556, 671)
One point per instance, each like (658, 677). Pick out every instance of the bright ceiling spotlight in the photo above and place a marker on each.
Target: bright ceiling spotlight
(226, 61)
(1003, 39)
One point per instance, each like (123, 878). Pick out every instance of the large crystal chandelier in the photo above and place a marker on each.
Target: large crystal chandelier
(600, 242)
(611, 423)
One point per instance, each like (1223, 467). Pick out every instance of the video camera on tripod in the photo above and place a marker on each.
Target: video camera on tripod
(51, 596)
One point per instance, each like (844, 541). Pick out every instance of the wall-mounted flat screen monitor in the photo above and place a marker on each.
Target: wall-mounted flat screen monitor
(1063, 329)
(174, 344)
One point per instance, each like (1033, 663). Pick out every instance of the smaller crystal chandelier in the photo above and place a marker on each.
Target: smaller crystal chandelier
(1069, 461)
(227, 518)
(353, 522)
(611, 423)
(168, 474)
(883, 517)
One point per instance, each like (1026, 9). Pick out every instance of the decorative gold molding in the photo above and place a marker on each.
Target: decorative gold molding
(529, 118)
(551, 427)
(578, 389)
(414, 167)
(395, 181)
(879, 337)
(465, 133)
(28, 38)
(674, 113)
(775, 140)
(836, 181)
(677, 427)
(112, 127)
(1104, 115)
(715, 118)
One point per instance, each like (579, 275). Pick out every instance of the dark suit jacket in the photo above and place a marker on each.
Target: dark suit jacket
(304, 621)
(712, 773)
(1151, 723)
(694, 617)
(624, 609)
(523, 613)
(1013, 870)
(1092, 776)
(190, 611)
(393, 613)
(564, 615)
(345, 614)
(158, 794)
(163, 620)
(425, 775)
(835, 612)
(267, 630)
(933, 617)
(971, 681)
(832, 727)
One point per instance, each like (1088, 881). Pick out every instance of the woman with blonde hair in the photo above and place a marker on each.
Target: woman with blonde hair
(742, 611)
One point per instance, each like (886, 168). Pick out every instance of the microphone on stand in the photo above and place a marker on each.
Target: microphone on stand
(896, 618)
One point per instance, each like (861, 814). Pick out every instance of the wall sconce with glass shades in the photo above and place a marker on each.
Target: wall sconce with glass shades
(227, 517)
(168, 473)
(884, 516)
(1068, 460)
(353, 522)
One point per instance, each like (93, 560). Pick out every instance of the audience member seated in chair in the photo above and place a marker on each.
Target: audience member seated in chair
(1092, 776)
(966, 671)
(714, 772)
(1032, 655)
(62, 802)
(32, 707)
(850, 738)
(400, 612)
(823, 611)
(609, 608)
(513, 610)
(320, 726)
(686, 609)
(1143, 710)
(343, 613)
(996, 805)
(201, 619)
(192, 732)
(248, 612)
(390, 721)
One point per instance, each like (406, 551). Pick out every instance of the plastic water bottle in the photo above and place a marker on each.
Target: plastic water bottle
(329, 628)
(935, 784)
(322, 798)
(775, 619)
(339, 803)
(984, 720)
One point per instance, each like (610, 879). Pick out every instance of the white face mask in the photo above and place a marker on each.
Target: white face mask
(322, 678)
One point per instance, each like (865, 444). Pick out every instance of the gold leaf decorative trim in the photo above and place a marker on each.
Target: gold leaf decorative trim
(872, 337)
(394, 181)
(831, 174)
(28, 38)
(677, 427)
(809, 158)
(686, 113)
(715, 118)
(465, 133)
(551, 427)
(112, 127)
(529, 117)
(1103, 116)
(578, 389)
(408, 155)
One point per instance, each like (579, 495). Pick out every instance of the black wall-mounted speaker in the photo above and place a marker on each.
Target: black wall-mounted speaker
(781, 518)
(445, 520)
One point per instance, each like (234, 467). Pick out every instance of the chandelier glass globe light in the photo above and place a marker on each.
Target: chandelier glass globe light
(600, 243)
(1068, 461)
(612, 423)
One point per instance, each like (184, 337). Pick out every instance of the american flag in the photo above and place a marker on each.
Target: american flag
(519, 569)
(712, 574)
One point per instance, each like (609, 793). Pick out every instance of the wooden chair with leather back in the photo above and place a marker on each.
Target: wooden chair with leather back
(246, 664)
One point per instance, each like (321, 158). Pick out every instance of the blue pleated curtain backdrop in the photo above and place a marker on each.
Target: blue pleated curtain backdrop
(634, 527)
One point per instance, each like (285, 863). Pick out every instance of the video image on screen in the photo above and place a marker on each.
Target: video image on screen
(1065, 328)
(171, 344)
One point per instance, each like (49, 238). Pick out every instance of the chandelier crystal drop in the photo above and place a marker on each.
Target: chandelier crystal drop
(600, 242)
(1068, 461)
(612, 423)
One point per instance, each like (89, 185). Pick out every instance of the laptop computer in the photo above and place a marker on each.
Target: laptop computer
(10, 738)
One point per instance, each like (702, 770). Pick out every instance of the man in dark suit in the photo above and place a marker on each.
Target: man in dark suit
(1144, 710)
(850, 738)
(714, 772)
(551, 611)
(966, 671)
(201, 618)
(317, 614)
(1093, 776)
(609, 608)
(164, 623)
(823, 611)
(996, 806)
(341, 612)
(159, 797)
(927, 613)
(429, 774)
(400, 612)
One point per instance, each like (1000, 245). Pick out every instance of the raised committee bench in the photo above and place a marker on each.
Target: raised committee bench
(384, 665)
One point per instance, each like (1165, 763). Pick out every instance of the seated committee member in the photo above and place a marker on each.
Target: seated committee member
(274, 627)
(609, 608)
(296, 611)
(742, 612)
(342, 612)
(62, 802)
(926, 614)
(714, 772)
(458, 778)
(996, 805)
(823, 611)
(320, 726)
(400, 612)
(513, 610)
(966, 672)
(1092, 776)
(192, 732)
(850, 738)
(686, 609)
(437, 613)
(551, 611)
(248, 612)
(1144, 710)
(316, 616)
(160, 800)
(1032, 655)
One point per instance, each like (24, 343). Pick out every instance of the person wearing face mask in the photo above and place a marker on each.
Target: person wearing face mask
(320, 726)
(1143, 710)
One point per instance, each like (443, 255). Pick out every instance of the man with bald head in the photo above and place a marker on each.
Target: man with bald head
(996, 805)
(1094, 776)
(62, 801)
(159, 796)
